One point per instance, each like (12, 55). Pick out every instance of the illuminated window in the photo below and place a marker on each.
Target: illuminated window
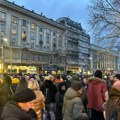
(14, 30)
(14, 19)
(33, 26)
(24, 36)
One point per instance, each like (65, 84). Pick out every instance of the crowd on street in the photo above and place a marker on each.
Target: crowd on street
(60, 97)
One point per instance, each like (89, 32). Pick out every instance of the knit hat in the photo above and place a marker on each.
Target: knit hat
(98, 73)
(116, 85)
(117, 76)
(23, 80)
(75, 78)
(76, 85)
(24, 96)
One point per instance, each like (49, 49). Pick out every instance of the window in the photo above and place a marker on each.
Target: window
(54, 33)
(2, 27)
(41, 37)
(32, 45)
(24, 56)
(14, 30)
(24, 35)
(40, 29)
(33, 35)
(24, 23)
(60, 42)
(33, 26)
(2, 15)
(47, 37)
(14, 19)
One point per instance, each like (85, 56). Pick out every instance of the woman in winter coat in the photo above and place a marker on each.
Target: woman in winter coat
(59, 100)
(39, 101)
(113, 104)
(96, 95)
(73, 108)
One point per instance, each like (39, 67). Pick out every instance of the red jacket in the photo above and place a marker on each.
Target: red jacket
(96, 93)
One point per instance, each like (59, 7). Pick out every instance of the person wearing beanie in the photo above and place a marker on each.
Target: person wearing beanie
(20, 107)
(113, 103)
(62, 87)
(73, 108)
(49, 90)
(96, 95)
(22, 85)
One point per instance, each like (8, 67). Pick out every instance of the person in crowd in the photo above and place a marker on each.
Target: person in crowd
(65, 79)
(73, 108)
(59, 100)
(20, 106)
(22, 85)
(39, 101)
(6, 91)
(113, 79)
(104, 105)
(96, 95)
(117, 77)
(113, 103)
(57, 81)
(85, 83)
(49, 90)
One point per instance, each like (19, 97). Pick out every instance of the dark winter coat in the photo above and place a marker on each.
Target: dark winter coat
(49, 90)
(59, 101)
(5, 95)
(14, 112)
(96, 93)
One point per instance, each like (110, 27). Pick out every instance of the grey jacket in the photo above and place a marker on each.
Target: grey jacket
(72, 106)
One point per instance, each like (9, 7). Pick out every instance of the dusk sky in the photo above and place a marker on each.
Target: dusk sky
(74, 9)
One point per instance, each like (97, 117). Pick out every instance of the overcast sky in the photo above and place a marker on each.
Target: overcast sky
(74, 9)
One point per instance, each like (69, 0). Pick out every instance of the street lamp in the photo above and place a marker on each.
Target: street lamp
(6, 40)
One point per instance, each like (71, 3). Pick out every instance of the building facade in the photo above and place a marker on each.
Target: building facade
(78, 46)
(32, 40)
(104, 59)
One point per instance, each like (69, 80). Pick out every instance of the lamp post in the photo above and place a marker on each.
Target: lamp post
(6, 40)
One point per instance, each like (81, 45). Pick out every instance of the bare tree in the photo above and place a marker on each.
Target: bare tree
(104, 20)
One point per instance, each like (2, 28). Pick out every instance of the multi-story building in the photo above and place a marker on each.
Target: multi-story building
(78, 46)
(32, 40)
(104, 59)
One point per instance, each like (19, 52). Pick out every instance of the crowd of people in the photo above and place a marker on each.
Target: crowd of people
(59, 97)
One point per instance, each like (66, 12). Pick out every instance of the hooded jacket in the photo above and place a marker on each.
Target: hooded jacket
(96, 93)
(72, 106)
(14, 112)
